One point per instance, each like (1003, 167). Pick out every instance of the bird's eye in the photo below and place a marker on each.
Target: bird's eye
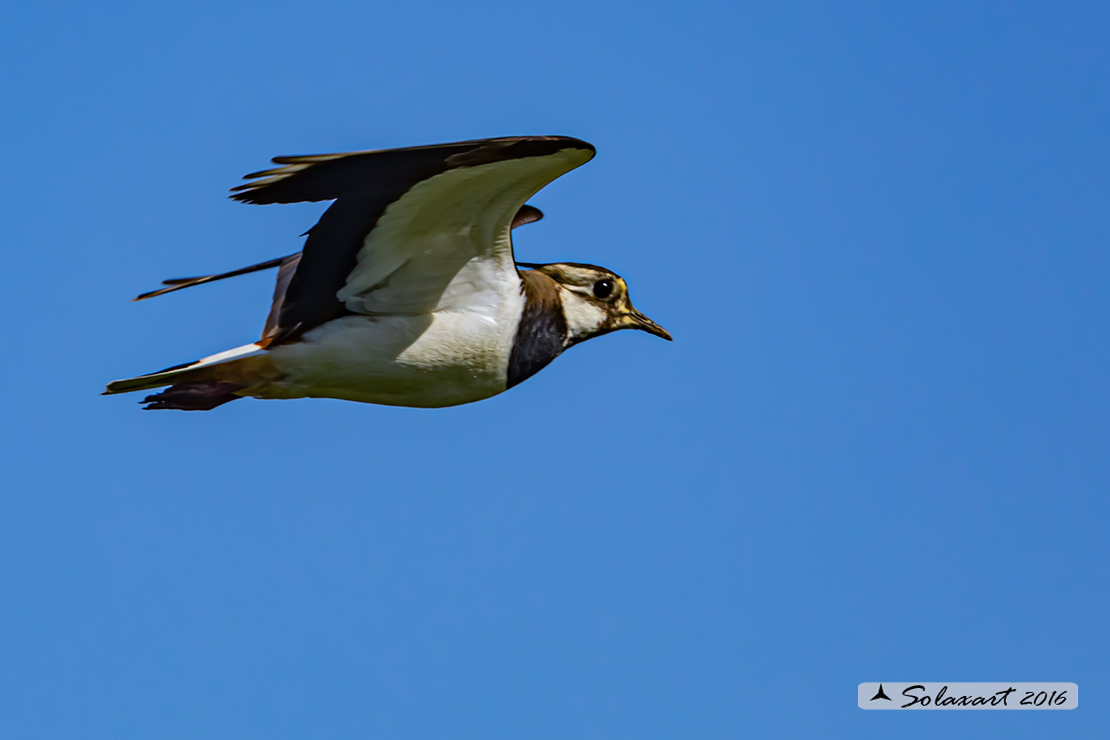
(603, 288)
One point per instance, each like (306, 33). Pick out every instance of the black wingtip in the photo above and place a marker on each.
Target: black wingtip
(526, 215)
(160, 291)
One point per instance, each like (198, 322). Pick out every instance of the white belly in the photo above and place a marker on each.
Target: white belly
(439, 359)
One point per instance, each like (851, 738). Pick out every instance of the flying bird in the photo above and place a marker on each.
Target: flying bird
(407, 292)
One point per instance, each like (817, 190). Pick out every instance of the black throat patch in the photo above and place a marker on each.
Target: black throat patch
(542, 333)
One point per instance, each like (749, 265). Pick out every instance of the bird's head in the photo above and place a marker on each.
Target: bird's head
(595, 301)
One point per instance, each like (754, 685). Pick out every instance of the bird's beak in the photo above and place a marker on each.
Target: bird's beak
(636, 320)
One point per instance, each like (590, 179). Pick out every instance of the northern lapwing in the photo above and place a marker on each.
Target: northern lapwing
(407, 292)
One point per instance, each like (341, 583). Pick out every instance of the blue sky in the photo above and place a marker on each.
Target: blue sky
(876, 450)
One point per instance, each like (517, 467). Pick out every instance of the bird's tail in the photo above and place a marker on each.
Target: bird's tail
(201, 385)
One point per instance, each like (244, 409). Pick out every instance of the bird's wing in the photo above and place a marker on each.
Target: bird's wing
(526, 215)
(411, 230)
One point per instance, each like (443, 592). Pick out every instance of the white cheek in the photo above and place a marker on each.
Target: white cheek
(583, 316)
